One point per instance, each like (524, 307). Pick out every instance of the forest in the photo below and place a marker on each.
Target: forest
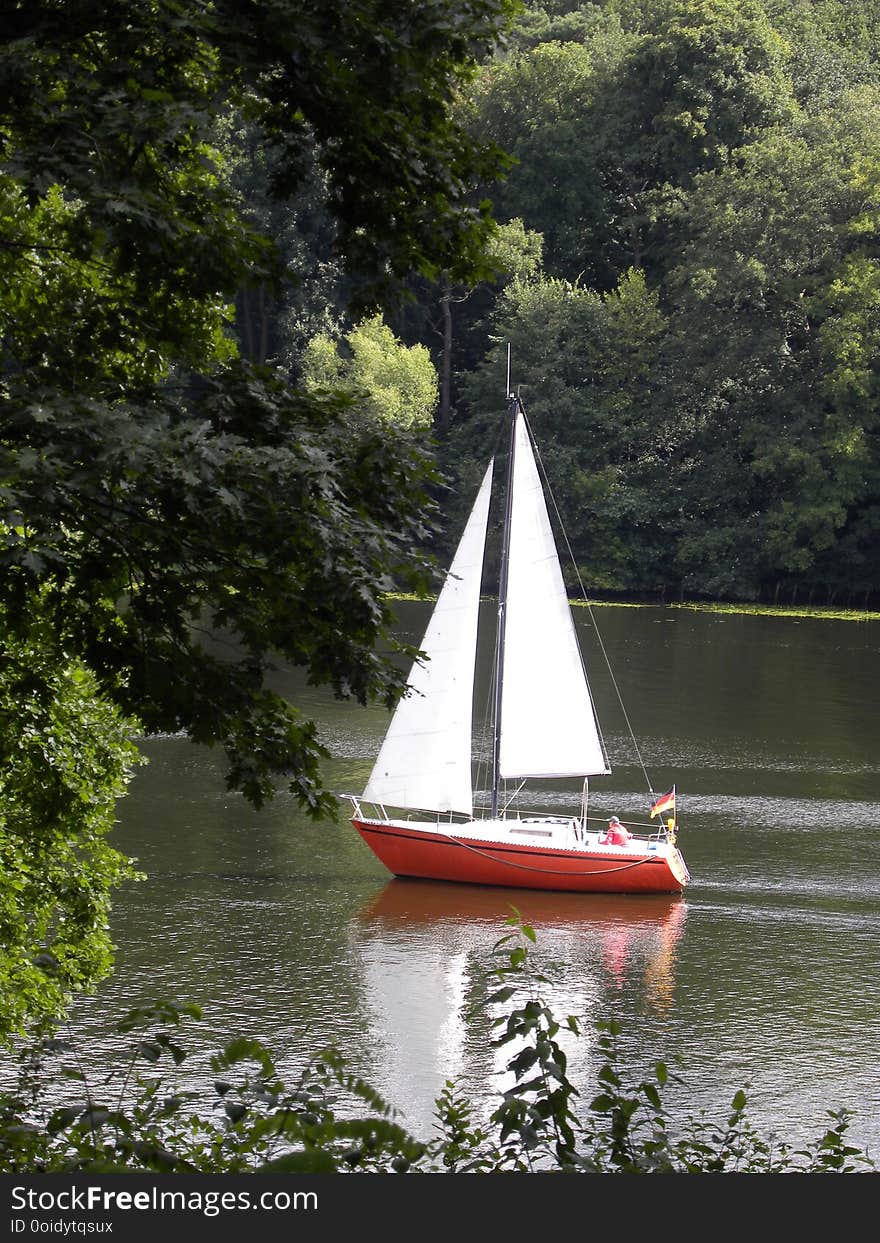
(259, 269)
(699, 341)
(687, 276)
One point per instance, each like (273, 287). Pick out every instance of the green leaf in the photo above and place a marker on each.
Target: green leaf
(306, 1161)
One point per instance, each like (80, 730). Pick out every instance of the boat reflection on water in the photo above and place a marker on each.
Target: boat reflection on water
(625, 929)
(420, 901)
(425, 948)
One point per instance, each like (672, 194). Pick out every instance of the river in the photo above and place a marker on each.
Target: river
(762, 976)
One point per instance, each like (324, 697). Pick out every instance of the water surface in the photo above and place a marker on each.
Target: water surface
(763, 974)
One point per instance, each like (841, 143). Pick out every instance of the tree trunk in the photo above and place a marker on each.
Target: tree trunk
(253, 319)
(444, 410)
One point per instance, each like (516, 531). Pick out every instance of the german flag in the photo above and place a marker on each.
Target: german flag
(664, 803)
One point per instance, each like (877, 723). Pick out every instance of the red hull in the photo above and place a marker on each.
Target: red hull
(443, 856)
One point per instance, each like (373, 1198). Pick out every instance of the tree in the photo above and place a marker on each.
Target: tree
(516, 253)
(775, 304)
(274, 321)
(149, 479)
(66, 756)
(173, 519)
(701, 80)
(834, 46)
(733, 168)
(607, 121)
(591, 369)
(394, 383)
(538, 104)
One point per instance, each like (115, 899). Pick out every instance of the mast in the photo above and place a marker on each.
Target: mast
(512, 408)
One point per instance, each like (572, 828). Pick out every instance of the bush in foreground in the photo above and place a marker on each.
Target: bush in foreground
(255, 1123)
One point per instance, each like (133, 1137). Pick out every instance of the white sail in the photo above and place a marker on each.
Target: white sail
(548, 725)
(425, 760)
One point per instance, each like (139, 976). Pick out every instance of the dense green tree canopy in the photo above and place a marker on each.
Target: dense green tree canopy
(779, 274)
(727, 152)
(148, 478)
(176, 517)
(538, 105)
(66, 754)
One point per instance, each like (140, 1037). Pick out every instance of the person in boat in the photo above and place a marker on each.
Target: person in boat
(615, 834)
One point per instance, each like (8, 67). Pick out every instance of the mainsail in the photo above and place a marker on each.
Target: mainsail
(425, 760)
(548, 725)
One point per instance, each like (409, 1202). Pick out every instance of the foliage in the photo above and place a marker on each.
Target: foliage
(65, 757)
(708, 78)
(394, 383)
(154, 487)
(725, 153)
(177, 515)
(605, 123)
(835, 44)
(254, 1123)
(120, 114)
(253, 515)
(274, 320)
(592, 368)
(517, 251)
(540, 104)
(774, 271)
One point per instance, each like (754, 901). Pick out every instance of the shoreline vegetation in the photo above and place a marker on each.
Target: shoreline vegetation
(249, 1121)
(732, 608)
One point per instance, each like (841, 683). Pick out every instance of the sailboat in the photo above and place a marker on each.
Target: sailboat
(417, 812)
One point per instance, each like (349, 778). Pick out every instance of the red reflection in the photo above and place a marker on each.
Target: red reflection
(621, 930)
